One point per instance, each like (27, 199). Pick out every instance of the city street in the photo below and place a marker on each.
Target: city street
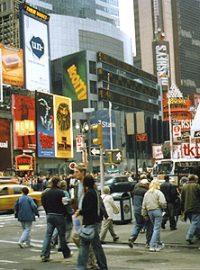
(176, 255)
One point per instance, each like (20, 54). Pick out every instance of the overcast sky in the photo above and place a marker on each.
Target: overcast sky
(127, 19)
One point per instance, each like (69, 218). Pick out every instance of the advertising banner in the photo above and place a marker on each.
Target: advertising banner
(74, 76)
(45, 126)
(24, 133)
(5, 145)
(63, 127)
(12, 65)
(1, 79)
(36, 51)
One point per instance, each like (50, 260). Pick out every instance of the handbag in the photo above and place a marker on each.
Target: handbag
(87, 232)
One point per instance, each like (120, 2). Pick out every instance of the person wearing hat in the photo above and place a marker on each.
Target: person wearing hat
(90, 212)
(111, 209)
(138, 194)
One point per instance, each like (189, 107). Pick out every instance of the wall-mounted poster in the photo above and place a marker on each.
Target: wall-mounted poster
(45, 125)
(63, 127)
(24, 132)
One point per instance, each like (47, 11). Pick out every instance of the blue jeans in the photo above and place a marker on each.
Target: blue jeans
(194, 225)
(141, 223)
(156, 219)
(98, 251)
(25, 237)
(55, 221)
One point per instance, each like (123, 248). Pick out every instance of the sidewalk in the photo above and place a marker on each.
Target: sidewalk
(174, 238)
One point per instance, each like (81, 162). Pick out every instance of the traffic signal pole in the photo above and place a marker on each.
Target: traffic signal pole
(101, 169)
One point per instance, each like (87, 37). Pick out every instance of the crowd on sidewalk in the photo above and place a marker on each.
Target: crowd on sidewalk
(76, 211)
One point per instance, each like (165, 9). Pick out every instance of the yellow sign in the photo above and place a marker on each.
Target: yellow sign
(63, 127)
(36, 12)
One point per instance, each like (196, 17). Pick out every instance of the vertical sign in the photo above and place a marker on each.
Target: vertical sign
(1, 82)
(45, 125)
(5, 145)
(63, 127)
(23, 110)
(36, 50)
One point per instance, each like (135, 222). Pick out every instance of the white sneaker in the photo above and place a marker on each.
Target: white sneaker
(21, 245)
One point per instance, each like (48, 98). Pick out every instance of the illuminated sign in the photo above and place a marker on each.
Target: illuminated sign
(36, 12)
(36, 53)
(23, 163)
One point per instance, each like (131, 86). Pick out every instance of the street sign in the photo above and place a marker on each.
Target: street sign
(197, 134)
(142, 137)
(79, 143)
(95, 151)
(176, 131)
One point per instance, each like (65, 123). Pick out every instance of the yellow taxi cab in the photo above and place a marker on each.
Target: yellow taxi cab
(9, 193)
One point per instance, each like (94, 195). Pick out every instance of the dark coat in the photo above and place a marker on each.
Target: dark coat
(138, 195)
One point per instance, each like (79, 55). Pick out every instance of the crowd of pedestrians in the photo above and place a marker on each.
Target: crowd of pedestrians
(68, 201)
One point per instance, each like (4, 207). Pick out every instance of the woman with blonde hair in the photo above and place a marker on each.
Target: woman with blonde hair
(153, 204)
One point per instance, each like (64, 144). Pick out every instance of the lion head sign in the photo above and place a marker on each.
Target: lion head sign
(63, 127)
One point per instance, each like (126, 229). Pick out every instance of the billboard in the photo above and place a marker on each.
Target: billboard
(24, 132)
(12, 65)
(63, 127)
(74, 76)
(5, 145)
(36, 53)
(1, 82)
(45, 125)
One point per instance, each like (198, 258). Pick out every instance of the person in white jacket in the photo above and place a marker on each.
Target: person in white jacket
(111, 209)
(154, 203)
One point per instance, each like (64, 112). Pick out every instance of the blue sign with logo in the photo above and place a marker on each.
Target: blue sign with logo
(37, 46)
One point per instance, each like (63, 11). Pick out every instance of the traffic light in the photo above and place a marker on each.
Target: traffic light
(114, 156)
(99, 134)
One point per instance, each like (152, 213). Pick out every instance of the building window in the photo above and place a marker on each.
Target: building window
(93, 87)
(93, 104)
(92, 67)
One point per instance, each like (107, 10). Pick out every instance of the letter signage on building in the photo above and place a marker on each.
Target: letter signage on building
(74, 76)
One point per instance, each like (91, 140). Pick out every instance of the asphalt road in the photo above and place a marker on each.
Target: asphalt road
(119, 255)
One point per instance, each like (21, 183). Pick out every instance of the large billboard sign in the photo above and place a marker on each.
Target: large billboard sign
(45, 125)
(63, 127)
(12, 65)
(1, 80)
(24, 131)
(5, 145)
(74, 76)
(162, 62)
(35, 42)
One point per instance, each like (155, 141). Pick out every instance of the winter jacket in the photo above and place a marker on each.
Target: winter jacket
(26, 209)
(153, 200)
(190, 198)
(111, 207)
(169, 191)
(138, 195)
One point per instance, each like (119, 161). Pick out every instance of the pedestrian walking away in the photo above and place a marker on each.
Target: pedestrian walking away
(25, 212)
(52, 201)
(111, 209)
(140, 222)
(153, 203)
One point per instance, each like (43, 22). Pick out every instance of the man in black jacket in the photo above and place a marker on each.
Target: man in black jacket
(171, 195)
(55, 211)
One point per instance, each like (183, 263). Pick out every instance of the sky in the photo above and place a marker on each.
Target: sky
(127, 19)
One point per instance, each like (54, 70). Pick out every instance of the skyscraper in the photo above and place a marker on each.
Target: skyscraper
(176, 22)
